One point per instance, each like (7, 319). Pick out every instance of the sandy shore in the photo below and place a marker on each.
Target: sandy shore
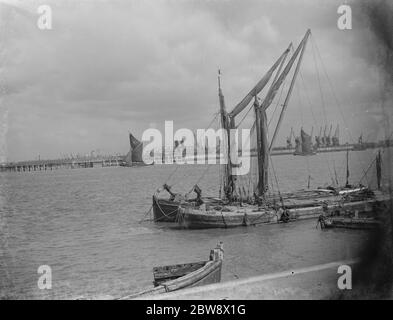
(314, 282)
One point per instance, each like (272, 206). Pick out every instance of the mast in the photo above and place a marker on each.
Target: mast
(301, 48)
(262, 148)
(227, 179)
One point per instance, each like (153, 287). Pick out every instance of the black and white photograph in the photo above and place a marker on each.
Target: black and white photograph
(196, 150)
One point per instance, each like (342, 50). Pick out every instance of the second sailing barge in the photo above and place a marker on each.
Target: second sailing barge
(234, 210)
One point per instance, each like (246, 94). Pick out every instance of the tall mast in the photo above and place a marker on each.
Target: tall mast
(227, 178)
(301, 47)
(262, 148)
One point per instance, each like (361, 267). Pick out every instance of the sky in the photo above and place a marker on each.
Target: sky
(107, 68)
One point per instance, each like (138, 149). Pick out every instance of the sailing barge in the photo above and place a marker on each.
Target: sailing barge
(180, 276)
(134, 155)
(227, 216)
(236, 207)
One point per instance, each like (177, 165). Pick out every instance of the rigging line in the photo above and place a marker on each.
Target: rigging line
(278, 101)
(271, 182)
(329, 155)
(302, 120)
(281, 92)
(275, 177)
(201, 177)
(372, 162)
(332, 90)
(240, 122)
(311, 109)
(308, 97)
(319, 80)
(172, 174)
(301, 114)
(208, 166)
(314, 44)
(208, 126)
(316, 50)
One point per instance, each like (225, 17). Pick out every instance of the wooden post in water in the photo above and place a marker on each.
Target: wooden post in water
(378, 164)
(347, 179)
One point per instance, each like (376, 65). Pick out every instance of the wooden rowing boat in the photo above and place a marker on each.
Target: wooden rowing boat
(348, 222)
(180, 276)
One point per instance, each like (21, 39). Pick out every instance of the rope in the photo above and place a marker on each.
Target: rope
(241, 121)
(278, 101)
(313, 116)
(143, 219)
(301, 114)
(314, 45)
(372, 162)
(275, 177)
(165, 215)
(207, 168)
(200, 178)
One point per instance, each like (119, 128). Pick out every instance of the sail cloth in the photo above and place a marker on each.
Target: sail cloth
(136, 149)
(135, 153)
(306, 142)
(259, 86)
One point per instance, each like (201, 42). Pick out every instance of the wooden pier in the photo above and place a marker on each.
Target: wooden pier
(48, 165)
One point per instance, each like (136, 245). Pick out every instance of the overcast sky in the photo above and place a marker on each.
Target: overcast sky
(109, 67)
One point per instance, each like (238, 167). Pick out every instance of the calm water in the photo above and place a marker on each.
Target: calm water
(85, 224)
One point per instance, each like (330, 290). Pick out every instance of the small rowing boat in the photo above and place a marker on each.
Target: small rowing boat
(180, 276)
(348, 222)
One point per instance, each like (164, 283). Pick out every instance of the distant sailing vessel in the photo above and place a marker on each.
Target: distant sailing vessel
(134, 156)
(246, 201)
(304, 145)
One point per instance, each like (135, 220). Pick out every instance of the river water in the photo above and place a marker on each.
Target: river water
(86, 225)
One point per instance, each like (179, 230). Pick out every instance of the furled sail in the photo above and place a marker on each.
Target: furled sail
(259, 86)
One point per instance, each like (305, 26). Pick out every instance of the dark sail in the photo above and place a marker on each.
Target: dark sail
(136, 149)
(134, 156)
(306, 142)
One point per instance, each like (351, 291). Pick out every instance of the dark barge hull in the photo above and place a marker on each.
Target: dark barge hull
(193, 218)
(165, 210)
